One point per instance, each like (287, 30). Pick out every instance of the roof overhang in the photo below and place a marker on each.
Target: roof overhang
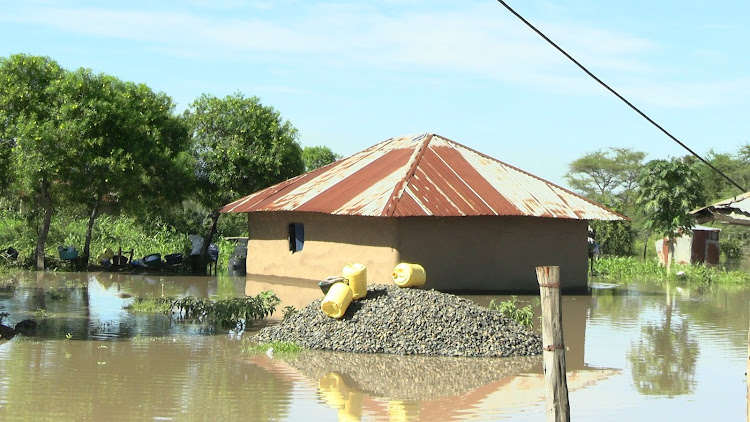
(734, 210)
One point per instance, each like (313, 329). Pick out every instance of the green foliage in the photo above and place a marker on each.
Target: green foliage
(626, 270)
(732, 247)
(239, 312)
(319, 156)
(667, 192)
(289, 311)
(615, 237)
(509, 309)
(111, 232)
(276, 347)
(150, 305)
(607, 176)
(240, 146)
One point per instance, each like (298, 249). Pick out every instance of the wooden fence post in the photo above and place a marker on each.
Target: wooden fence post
(555, 381)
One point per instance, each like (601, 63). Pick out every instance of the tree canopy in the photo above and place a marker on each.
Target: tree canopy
(240, 146)
(318, 156)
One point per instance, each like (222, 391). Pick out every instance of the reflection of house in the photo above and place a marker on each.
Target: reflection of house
(474, 223)
(700, 246)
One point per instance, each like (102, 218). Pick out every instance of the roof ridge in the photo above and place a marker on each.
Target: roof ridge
(398, 190)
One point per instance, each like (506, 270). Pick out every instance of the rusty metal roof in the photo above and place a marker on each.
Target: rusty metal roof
(422, 175)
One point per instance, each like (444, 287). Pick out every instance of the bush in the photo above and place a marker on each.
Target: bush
(509, 309)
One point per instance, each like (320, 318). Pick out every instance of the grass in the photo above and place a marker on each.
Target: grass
(150, 305)
(279, 348)
(626, 270)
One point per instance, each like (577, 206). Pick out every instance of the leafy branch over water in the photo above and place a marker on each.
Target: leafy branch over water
(237, 312)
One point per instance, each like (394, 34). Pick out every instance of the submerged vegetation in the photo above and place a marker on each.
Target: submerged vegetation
(272, 348)
(630, 269)
(510, 309)
(236, 312)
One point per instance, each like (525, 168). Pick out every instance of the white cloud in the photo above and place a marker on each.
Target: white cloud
(480, 39)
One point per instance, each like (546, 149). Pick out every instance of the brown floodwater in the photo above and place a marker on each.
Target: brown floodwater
(643, 352)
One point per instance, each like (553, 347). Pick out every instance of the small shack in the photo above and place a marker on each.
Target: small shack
(474, 223)
(700, 246)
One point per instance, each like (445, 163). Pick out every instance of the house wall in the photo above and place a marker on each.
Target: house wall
(495, 253)
(331, 241)
(468, 254)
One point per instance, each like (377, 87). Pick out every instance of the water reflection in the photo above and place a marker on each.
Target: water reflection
(685, 348)
(663, 359)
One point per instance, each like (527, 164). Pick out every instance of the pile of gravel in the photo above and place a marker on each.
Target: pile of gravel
(404, 321)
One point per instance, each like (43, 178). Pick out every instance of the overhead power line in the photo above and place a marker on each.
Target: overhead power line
(602, 83)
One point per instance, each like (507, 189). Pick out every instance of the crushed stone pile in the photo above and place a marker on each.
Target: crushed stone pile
(403, 321)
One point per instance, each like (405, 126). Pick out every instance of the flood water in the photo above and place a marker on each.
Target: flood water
(634, 353)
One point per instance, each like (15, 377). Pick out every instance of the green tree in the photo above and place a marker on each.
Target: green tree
(319, 156)
(239, 146)
(128, 141)
(667, 192)
(30, 117)
(608, 176)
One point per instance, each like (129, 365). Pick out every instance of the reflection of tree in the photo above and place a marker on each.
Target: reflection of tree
(664, 359)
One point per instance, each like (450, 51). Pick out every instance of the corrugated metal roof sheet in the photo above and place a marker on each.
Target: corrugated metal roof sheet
(734, 210)
(422, 175)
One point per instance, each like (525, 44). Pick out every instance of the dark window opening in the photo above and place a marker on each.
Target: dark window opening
(296, 237)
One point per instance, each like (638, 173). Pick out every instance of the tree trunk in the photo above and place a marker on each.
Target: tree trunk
(670, 253)
(214, 216)
(90, 229)
(45, 200)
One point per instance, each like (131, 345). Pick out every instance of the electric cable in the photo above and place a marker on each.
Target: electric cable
(602, 83)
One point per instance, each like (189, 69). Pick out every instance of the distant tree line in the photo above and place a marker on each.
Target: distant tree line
(79, 143)
(657, 195)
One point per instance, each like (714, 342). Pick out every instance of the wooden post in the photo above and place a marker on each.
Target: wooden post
(747, 377)
(555, 381)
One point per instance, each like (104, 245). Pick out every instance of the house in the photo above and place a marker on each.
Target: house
(474, 223)
(700, 246)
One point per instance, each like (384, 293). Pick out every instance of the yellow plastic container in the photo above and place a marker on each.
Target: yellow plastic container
(336, 301)
(409, 275)
(357, 276)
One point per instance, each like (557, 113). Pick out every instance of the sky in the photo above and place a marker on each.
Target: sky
(348, 75)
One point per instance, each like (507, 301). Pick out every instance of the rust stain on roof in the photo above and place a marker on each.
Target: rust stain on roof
(422, 175)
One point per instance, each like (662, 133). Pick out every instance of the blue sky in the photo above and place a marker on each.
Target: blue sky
(351, 74)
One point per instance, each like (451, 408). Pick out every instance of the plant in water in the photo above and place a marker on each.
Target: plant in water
(150, 305)
(59, 294)
(68, 336)
(40, 313)
(236, 312)
(275, 348)
(509, 308)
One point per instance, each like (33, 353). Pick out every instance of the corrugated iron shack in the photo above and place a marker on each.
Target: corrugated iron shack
(474, 223)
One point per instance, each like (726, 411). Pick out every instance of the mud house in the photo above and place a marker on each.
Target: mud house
(474, 223)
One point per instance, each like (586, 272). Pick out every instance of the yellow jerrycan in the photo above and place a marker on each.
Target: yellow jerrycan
(337, 299)
(357, 276)
(408, 275)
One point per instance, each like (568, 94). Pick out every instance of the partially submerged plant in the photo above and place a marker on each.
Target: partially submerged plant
(272, 348)
(237, 312)
(509, 309)
(150, 305)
